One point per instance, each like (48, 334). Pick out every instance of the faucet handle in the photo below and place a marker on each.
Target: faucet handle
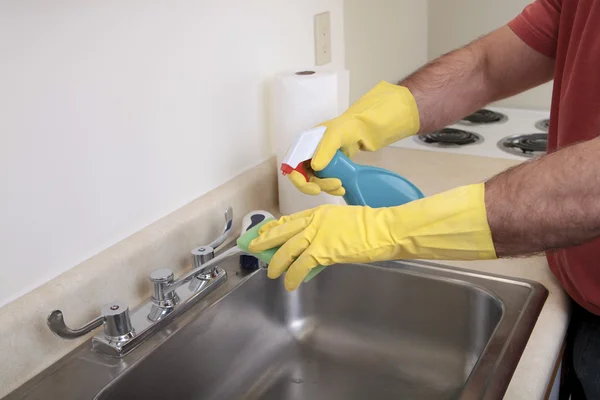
(114, 316)
(228, 225)
(203, 254)
(163, 292)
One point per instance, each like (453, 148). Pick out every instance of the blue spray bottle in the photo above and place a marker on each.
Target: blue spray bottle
(365, 185)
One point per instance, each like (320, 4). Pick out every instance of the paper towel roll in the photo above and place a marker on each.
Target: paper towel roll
(302, 100)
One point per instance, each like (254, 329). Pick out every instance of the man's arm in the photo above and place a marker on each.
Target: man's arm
(494, 67)
(548, 203)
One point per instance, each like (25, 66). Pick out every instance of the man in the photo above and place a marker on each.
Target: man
(551, 204)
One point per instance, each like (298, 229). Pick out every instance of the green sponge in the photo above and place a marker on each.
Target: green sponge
(244, 241)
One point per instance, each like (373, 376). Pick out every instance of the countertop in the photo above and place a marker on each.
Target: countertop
(434, 172)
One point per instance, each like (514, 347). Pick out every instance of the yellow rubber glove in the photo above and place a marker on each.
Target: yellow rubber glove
(448, 226)
(384, 115)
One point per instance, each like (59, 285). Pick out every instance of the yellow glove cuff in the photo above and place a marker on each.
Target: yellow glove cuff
(389, 110)
(448, 226)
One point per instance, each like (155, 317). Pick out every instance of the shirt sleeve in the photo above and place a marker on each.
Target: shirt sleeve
(538, 25)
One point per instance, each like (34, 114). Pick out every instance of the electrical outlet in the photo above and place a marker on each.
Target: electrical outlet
(322, 38)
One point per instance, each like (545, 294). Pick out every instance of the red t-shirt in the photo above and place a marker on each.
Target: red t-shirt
(569, 32)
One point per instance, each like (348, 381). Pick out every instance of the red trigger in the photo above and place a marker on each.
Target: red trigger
(302, 169)
(287, 169)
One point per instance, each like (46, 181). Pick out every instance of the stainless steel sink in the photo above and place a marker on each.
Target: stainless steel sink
(385, 331)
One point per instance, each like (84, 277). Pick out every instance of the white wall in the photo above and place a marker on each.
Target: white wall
(115, 113)
(385, 40)
(454, 23)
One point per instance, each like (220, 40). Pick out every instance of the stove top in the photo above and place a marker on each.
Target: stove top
(481, 133)
(450, 137)
(484, 116)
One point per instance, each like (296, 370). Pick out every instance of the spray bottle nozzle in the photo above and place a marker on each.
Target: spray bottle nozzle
(302, 150)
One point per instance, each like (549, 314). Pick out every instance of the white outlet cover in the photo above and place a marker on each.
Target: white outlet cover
(322, 38)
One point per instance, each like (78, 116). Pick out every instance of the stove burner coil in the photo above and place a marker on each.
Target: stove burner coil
(450, 137)
(484, 117)
(528, 145)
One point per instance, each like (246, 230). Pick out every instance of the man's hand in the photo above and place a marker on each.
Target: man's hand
(384, 115)
(450, 225)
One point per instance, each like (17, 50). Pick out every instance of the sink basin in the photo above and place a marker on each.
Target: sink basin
(387, 331)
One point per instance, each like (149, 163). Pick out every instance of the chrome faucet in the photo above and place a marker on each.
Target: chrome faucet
(123, 331)
(164, 286)
(114, 317)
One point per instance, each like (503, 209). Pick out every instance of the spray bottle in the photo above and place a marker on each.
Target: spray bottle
(364, 185)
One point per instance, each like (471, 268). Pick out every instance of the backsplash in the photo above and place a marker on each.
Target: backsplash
(121, 273)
